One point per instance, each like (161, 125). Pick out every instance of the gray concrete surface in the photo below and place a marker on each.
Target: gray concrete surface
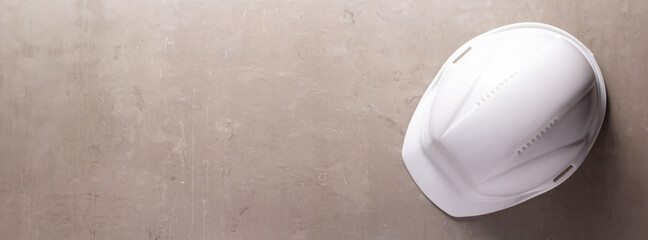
(279, 120)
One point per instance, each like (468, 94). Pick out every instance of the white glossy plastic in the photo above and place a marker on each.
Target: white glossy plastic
(510, 115)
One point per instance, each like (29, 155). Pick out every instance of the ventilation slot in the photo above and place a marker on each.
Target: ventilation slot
(497, 88)
(462, 54)
(537, 136)
(563, 173)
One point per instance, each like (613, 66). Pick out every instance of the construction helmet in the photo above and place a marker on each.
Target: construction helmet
(511, 114)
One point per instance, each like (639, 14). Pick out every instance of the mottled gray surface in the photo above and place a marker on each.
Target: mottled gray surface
(279, 120)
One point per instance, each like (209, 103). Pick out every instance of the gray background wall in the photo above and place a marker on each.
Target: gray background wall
(279, 120)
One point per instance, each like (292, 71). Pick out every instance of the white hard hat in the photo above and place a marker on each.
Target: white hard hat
(511, 114)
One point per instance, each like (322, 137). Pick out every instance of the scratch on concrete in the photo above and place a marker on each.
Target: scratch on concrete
(139, 103)
(205, 200)
(244, 209)
(193, 164)
(1, 78)
(173, 212)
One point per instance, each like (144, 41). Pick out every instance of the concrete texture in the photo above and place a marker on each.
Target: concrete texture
(279, 120)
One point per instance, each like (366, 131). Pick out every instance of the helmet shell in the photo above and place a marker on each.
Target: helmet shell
(510, 115)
